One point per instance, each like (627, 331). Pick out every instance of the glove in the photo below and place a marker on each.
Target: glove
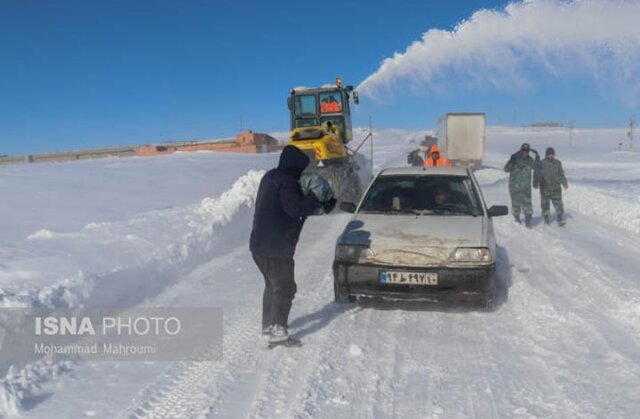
(329, 205)
(536, 153)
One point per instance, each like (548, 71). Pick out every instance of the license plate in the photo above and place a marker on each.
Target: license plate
(409, 278)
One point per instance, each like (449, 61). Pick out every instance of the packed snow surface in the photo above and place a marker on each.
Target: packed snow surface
(173, 232)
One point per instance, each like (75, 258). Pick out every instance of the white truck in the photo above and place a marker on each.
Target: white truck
(461, 137)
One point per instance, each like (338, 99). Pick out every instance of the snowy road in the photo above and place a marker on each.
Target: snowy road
(564, 343)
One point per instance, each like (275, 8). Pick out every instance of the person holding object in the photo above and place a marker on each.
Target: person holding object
(551, 180)
(520, 167)
(280, 212)
(417, 157)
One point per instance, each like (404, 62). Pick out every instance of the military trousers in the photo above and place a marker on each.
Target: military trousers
(520, 201)
(547, 197)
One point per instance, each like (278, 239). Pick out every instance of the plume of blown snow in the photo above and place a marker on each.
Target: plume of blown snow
(503, 48)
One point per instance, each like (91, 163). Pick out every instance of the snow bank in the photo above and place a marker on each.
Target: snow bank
(19, 386)
(146, 250)
(603, 207)
(63, 197)
(124, 263)
(69, 292)
(220, 211)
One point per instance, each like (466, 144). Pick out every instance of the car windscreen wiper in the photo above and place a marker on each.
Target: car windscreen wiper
(456, 211)
(405, 211)
(392, 211)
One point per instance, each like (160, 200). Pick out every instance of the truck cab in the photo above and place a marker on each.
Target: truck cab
(321, 120)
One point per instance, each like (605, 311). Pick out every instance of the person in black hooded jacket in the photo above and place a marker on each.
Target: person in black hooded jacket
(280, 211)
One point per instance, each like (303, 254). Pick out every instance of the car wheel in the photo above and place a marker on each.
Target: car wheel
(341, 294)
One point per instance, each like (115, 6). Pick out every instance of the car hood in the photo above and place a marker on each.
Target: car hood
(426, 240)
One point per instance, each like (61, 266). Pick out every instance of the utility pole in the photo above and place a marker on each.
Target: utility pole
(632, 122)
(371, 133)
(571, 127)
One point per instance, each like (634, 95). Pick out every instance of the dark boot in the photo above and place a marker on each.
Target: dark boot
(561, 220)
(527, 220)
(547, 220)
(517, 218)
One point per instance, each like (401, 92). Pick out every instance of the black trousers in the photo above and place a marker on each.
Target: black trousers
(279, 289)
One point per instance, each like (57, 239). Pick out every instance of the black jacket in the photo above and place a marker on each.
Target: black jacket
(416, 158)
(281, 207)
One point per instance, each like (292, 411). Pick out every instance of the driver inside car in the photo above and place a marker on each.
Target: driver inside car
(441, 195)
(442, 199)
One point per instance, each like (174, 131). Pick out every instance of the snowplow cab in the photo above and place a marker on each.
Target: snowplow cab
(321, 128)
(321, 120)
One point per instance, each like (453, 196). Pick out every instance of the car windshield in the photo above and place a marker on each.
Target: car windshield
(422, 195)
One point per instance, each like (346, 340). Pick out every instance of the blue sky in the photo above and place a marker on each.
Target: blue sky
(82, 74)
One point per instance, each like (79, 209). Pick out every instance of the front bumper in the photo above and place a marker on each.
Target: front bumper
(464, 283)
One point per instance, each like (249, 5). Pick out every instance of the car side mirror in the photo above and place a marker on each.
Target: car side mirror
(349, 207)
(498, 210)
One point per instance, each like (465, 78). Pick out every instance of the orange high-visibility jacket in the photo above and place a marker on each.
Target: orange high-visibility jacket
(441, 161)
(330, 107)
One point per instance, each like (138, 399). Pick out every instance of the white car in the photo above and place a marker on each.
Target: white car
(422, 234)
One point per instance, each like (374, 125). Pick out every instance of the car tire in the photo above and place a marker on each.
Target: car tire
(341, 294)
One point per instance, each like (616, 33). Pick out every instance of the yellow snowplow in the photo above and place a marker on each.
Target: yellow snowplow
(321, 128)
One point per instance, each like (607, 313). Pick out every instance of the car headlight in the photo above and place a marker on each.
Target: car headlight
(471, 255)
(352, 252)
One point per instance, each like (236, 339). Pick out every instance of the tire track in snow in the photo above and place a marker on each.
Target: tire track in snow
(189, 388)
(286, 371)
(532, 391)
(366, 362)
(573, 317)
(198, 389)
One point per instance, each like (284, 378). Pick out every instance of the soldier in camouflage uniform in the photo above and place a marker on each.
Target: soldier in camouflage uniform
(519, 167)
(551, 177)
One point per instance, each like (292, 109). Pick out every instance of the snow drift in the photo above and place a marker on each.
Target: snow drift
(500, 48)
(146, 249)
(147, 253)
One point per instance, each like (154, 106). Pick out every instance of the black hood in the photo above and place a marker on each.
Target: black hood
(293, 161)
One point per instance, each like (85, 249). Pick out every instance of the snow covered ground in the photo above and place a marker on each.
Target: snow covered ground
(172, 232)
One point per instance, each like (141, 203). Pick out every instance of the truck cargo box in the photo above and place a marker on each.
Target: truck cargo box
(461, 137)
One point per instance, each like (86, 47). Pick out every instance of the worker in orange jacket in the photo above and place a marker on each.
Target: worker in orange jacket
(435, 159)
(330, 104)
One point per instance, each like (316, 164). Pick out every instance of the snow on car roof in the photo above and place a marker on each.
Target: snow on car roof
(419, 171)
